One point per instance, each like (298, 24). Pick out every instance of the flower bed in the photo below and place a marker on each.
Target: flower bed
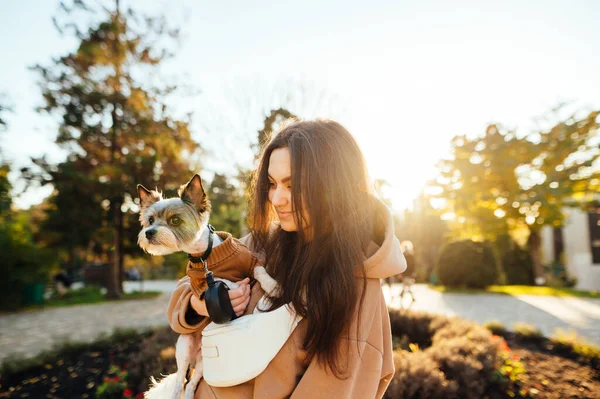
(440, 357)
(435, 356)
(101, 369)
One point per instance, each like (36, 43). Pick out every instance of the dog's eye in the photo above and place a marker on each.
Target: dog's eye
(151, 220)
(175, 220)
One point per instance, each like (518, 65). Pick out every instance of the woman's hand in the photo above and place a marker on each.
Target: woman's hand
(198, 305)
(240, 297)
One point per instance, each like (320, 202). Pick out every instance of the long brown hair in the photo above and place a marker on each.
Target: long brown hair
(315, 266)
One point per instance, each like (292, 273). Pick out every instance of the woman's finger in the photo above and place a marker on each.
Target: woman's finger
(244, 281)
(241, 308)
(237, 301)
(237, 292)
(243, 296)
(240, 304)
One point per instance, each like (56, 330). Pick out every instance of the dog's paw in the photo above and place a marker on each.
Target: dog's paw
(190, 392)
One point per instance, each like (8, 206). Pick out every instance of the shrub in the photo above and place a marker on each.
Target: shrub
(114, 385)
(518, 266)
(495, 327)
(417, 376)
(458, 358)
(557, 276)
(467, 264)
(22, 263)
(527, 331)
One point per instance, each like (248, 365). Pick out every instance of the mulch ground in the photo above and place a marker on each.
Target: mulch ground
(556, 374)
(76, 374)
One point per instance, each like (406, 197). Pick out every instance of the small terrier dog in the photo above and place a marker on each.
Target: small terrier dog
(180, 224)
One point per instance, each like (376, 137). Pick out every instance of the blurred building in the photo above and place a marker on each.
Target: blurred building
(576, 245)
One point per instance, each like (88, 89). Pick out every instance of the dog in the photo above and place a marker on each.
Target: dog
(181, 224)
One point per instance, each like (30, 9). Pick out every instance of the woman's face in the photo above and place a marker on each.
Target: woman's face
(280, 188)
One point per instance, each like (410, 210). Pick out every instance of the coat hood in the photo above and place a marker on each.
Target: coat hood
(383, 256)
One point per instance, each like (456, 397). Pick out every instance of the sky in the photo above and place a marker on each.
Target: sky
(404, 77)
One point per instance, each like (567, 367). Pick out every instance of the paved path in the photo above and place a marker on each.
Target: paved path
(546, 313)
(28, 333)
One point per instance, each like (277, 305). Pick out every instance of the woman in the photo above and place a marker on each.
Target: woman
(327, 241)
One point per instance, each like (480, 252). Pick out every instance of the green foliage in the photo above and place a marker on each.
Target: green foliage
(117, 129)
(23, 262)
(92, 294)
(558, 276)
(114, 385)
(228, 205)
(571, 342)
(4, 107)
(5, 187)
(501, 181)
(495, 327)
(527, 331)
(518, 266)
(423, 227)
(467, 264)
(273, 121)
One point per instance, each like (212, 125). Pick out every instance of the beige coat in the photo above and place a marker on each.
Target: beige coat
(368, 355)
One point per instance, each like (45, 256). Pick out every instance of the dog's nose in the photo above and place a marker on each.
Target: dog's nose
(150, 233)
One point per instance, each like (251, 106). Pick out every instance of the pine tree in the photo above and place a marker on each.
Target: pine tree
(115, 124)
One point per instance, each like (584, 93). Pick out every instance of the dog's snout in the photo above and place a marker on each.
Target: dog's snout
(150, 233)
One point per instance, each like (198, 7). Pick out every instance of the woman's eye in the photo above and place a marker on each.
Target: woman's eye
(271, 184)
(151, 220)
(175, 220)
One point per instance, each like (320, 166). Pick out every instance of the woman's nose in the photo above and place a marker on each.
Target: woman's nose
(279, 198)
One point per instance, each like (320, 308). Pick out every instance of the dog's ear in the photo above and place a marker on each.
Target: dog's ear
(193, 193)
(147, 197)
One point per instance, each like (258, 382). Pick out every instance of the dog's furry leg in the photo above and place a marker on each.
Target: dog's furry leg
(183, 355)
(192, 385)
(267, 283)
(162, 389)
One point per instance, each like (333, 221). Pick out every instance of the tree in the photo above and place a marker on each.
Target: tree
(273, 121)
(227, 203)
(5, 186)
(500, 182)
(115, 124)
(423, 227)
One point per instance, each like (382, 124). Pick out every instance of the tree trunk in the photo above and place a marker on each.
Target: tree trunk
(113, 287)
(534, 244)
(120, 253)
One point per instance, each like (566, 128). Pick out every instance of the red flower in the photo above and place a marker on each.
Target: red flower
(515, 357)
(115, 379)
(127, 393)
(504, 346)
(139, 395)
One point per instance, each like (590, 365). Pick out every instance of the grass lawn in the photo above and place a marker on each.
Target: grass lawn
(520, 290)
(89, 295)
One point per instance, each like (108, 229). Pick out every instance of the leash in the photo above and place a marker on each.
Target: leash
(216, 297)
